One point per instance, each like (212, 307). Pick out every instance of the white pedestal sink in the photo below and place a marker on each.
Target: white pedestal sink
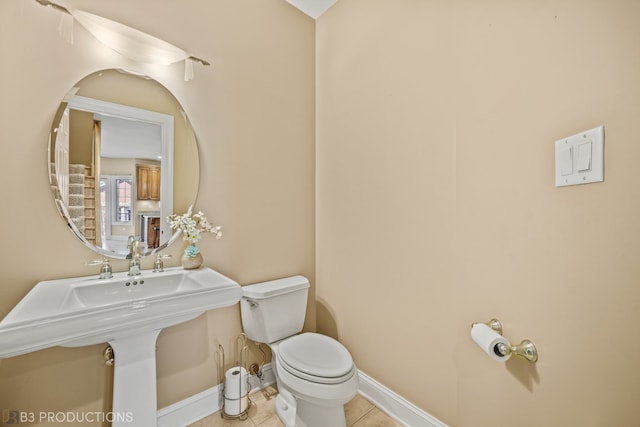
(128, 313)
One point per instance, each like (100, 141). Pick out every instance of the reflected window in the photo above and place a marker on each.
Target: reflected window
(124, 200)
(116, 193)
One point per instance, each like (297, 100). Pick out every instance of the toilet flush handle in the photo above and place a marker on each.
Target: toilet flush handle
(252, 303)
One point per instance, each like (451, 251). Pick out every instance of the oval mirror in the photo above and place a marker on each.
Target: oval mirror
(122, 157)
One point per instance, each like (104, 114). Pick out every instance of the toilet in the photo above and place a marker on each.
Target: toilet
(315, 374)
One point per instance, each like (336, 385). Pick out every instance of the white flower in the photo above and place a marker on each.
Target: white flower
(192, 226)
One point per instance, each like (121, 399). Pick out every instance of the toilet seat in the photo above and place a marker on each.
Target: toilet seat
(316, 358)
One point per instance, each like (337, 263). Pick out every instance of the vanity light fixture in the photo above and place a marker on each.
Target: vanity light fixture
(129, 42)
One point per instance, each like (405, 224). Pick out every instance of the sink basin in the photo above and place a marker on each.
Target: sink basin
(87, 310)
(114, 291)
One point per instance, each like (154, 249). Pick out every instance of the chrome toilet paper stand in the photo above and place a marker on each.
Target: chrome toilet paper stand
(241, 349)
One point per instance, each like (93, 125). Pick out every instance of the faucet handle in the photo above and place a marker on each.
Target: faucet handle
(105, 271)
(158, 265)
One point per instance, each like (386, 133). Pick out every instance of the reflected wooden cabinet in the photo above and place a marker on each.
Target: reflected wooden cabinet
(148, 182)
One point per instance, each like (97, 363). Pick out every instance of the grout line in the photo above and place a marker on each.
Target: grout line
(363, 415)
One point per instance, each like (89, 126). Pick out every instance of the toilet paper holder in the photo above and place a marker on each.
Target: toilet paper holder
(526, 348)
(236, 402)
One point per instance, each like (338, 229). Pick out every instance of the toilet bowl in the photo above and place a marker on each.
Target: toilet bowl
(315, 374)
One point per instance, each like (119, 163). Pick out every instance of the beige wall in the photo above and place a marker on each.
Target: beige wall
(253, 113)
(436, 204)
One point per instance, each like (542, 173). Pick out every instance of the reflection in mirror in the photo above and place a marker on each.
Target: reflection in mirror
(123, 157)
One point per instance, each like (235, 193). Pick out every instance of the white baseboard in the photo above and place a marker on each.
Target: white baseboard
(394, 405)
(203, 404)
(191, 409)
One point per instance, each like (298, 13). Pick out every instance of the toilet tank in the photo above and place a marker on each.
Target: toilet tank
(274, 310)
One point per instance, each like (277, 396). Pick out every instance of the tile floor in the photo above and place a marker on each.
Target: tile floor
(359, 413)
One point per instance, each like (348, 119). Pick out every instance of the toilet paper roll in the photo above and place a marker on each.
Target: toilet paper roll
(236, 406)
(236, 383)
(488, 339)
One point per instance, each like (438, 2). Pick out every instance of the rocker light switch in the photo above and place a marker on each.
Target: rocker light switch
(565, 161)
(584, 157)
(580, 158)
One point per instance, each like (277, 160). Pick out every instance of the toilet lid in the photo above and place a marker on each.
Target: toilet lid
(315, 357)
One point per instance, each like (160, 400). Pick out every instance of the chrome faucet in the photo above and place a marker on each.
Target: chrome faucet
(133, 245)
(105, 270)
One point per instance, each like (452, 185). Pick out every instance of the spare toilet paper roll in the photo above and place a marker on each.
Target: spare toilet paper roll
(235, 383)
(236, 406)
(488, 339)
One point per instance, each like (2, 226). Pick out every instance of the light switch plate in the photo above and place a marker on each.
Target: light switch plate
(580, 158)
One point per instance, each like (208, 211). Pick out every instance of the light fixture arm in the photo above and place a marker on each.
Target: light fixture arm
(200, 60)
(54, 6)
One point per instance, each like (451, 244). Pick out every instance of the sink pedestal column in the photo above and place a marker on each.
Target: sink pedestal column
(134, 380)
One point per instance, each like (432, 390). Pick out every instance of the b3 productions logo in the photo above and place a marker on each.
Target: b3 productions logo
(9, 417)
